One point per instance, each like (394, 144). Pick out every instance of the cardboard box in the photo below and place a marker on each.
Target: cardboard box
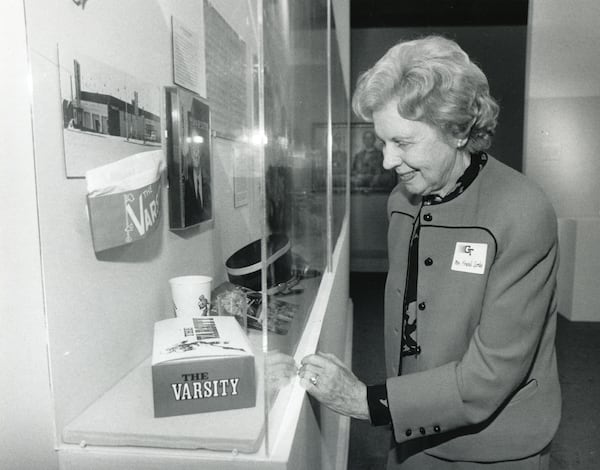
(201, 364)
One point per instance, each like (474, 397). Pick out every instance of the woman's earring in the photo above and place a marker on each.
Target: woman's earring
(461, 143)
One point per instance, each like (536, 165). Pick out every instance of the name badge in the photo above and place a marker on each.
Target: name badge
(469, 257)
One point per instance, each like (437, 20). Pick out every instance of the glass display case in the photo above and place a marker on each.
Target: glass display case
(206, 137)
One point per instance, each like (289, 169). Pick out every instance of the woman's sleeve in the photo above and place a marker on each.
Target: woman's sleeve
(518, 296)
(377, 401)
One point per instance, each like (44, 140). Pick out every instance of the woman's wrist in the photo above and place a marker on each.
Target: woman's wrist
(363, 411)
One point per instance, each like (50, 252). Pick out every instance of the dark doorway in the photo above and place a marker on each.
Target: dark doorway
(114, 123)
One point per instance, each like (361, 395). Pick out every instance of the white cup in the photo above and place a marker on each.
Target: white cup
(191, 295)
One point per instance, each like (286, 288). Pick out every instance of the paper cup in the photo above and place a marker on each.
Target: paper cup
(191, 295)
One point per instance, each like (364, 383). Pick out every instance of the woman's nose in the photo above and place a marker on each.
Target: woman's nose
(391, 158)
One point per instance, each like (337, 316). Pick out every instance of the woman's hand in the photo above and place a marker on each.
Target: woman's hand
(326, 378)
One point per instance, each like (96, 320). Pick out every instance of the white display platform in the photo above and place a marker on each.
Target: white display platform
(124, 416)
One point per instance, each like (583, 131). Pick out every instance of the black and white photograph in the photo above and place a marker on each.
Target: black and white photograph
(382, 216)
(188, 158)
(107, 114)
(366, 165)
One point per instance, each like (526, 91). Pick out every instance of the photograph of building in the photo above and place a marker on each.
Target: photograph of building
(100, 101)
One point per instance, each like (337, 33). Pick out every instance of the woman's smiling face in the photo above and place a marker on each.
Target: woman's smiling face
(426, 162)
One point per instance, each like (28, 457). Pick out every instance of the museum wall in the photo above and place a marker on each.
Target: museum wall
(25, 400)
(562, 141)
(563, 106)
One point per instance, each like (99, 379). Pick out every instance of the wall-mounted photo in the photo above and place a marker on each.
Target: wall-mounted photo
(366, 170)
(188, 158)
(107, 114)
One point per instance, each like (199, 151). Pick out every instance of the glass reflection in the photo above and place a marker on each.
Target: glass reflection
(339, 136)
(297, 68)
(295, 104)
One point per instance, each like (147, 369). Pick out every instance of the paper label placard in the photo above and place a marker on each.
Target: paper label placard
(469, 257)
(121, 218)
(188, 58)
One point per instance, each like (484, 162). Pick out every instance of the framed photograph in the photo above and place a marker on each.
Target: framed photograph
(189, 160)
(366, 164)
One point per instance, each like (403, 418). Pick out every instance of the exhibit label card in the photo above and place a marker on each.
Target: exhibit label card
(187, 57)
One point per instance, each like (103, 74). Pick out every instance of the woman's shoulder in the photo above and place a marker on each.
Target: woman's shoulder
(514, 201)
(505, 185)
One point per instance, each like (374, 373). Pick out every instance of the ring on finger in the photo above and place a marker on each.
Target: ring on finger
(313, 380)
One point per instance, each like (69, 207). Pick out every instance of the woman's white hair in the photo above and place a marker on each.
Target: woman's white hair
(432, 80)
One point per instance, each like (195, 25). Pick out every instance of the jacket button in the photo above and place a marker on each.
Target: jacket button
(437, 428)
(428, 261)
(427, 218)
(422, 306)
(408, 432)
(422, 431)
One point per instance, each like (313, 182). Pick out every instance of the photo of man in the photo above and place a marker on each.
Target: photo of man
(197, 174)
(189, 159)
(367, 171)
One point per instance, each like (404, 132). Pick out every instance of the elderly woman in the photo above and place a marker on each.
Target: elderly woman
(470, 309)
